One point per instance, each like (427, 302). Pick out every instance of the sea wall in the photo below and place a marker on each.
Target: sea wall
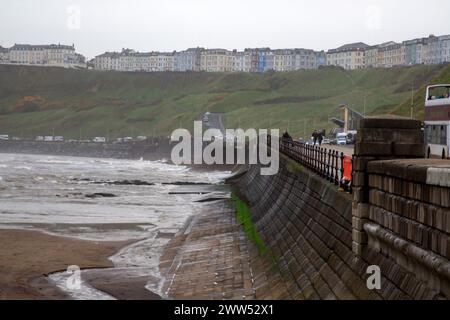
(307, 223)
(323, 240)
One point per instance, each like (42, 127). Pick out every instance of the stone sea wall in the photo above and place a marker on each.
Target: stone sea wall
(307, 224)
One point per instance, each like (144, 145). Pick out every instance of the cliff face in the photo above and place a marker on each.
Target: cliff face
(307, 224)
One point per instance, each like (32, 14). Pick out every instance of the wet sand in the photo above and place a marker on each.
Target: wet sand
(27, 256)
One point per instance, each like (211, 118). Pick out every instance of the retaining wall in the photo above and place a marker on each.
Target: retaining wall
(307, 223)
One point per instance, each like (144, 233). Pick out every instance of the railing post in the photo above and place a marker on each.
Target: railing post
(336, 167)
(328, 166)
(321, 162)
(324, 166)
(319, 167)
(315, 158)
(307, 156)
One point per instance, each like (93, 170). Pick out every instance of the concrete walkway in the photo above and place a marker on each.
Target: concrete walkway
(209, 259)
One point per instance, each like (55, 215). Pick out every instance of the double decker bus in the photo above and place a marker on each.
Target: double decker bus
(437, 121)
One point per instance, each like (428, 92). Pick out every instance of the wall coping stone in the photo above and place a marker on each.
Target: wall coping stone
(428, 171)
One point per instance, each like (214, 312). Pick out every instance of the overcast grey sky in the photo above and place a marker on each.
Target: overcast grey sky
(95, 26)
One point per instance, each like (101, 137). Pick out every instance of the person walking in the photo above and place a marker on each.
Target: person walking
(320, 137)
(314, 136)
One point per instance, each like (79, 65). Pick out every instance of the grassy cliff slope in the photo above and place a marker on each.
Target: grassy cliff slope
(39, 101)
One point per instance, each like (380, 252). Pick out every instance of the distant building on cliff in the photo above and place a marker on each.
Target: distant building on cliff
(391, 55)
(349, 56)
(133, 61)
(4, 55)
(187, 60)
(42, 55)
(354, 56)
(217, 60)
(321, 58)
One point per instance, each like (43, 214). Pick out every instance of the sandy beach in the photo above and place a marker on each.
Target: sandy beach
(26, 256)
(113, 218)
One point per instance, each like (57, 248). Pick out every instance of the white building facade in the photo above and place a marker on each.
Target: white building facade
(431, 50)
(349, 57)
(43, 55)
(188, 60)
(217, 60)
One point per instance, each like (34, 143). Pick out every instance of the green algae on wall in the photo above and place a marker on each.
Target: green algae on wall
(244, 217)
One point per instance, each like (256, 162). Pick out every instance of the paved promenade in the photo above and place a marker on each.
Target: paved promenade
(209, 259)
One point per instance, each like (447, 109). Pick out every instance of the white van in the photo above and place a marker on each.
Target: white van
(99, 139)
(4, 137)
(341, 139)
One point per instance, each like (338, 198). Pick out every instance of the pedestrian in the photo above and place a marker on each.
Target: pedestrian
(314, 136)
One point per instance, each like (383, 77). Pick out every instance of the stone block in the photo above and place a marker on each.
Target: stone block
(390, 135)
(358, 223)
(360, 210)
(360, 194)
(359, 179)
(445, 197)
(389, 124)
(373, 149)
(360, 162)
(357, 248)
(409, 150)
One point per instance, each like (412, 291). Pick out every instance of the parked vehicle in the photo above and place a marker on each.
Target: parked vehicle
(99, 139)
(341, 139)
(39, 138)
(141, 138)
(351, 137)
(48, 138)
(326, 141)
(4, 137)
(437, 120)
(58, 138)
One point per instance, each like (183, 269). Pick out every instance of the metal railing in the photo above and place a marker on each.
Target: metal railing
(327, 163)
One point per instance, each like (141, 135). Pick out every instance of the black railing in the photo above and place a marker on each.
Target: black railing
(328, 163)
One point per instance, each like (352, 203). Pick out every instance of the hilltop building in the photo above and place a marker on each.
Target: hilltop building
(349, 56)
(43, 55)
(188, 60)
(390, 55)
(4, 55)
(354, 56)
(217, 60)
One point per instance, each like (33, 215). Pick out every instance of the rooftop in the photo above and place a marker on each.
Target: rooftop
(357, 46)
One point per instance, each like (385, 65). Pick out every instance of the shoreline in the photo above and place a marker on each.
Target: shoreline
(29, 256)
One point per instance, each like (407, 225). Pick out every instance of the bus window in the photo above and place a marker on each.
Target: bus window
(436, 134)
(438, 93)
